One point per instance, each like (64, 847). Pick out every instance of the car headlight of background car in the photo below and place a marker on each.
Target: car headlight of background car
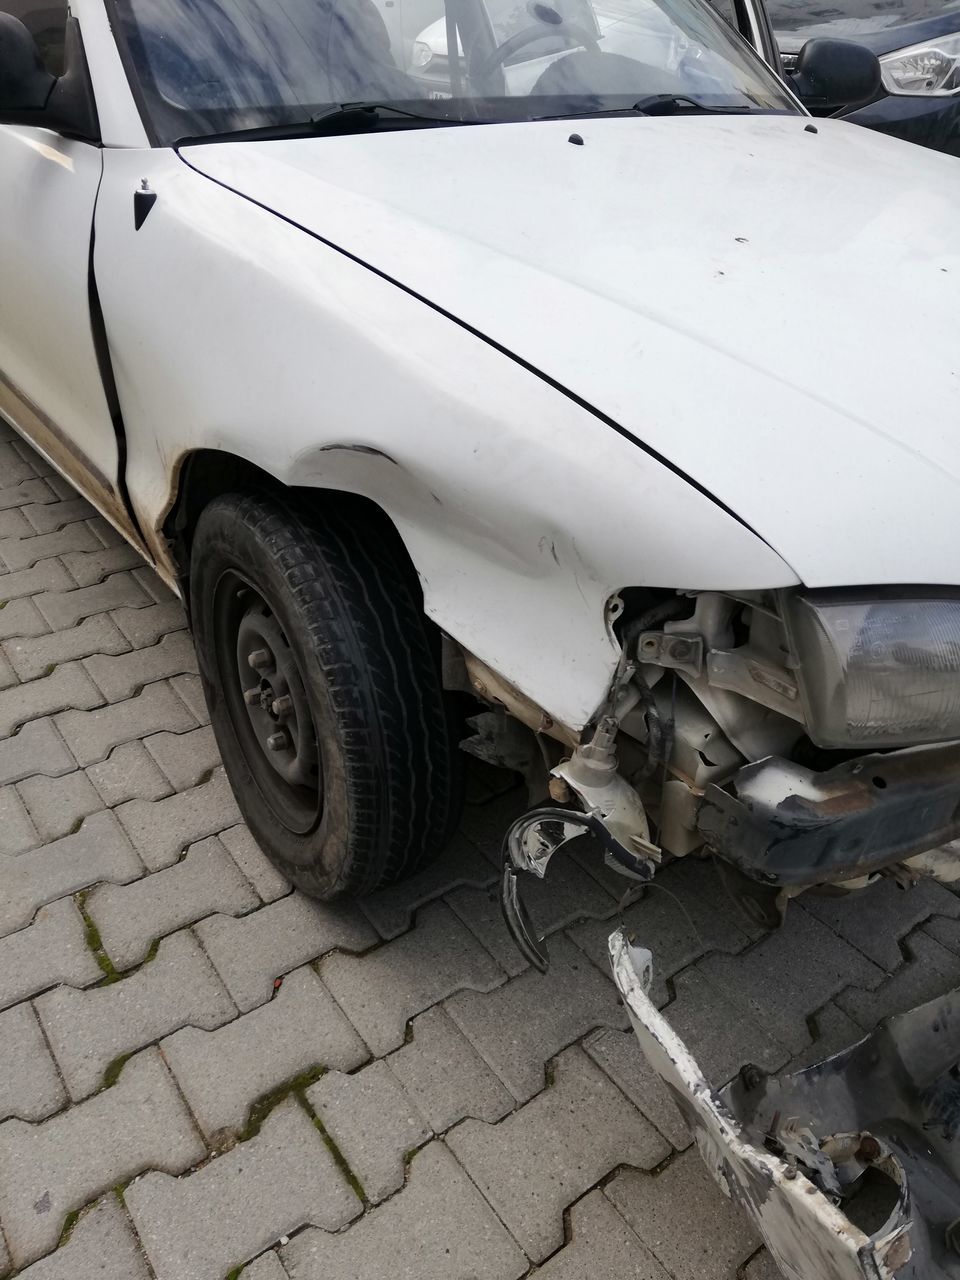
(932, 68)
(876, 672)
(422, 55)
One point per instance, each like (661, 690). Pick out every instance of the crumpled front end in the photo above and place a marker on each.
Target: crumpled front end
(850, 1169)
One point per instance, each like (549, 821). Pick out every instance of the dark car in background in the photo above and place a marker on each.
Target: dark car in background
(918, 44)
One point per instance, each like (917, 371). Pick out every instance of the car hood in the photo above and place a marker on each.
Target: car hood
(772, 306)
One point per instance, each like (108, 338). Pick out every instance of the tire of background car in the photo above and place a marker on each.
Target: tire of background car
(324, 693)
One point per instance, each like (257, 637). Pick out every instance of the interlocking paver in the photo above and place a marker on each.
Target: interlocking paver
(88, 1030)
(92, 735)
(14, 524)
(445, 1076)
(933, 970)
(246, 853)
(517, 1027)
(239, 1204)
(17, 831)
(682, 915)
(267, 1267)
(191, 691)
(144, 627)
(15, 467)
(250, 953)
(721, 1034)
(437, 1228)
(128, 773)
(90, 567)
(45, 517)
(98, 851)
(49, 578)
(8, 677)
(129, 917)
(553, 903)
(381, 991)
(29, 1084)
(24, 553)
(64, 607)
(153, 584)
(790, 975)
(102, 1246)
(68, 686)
(162, 829)
(876, 920)
(37, 748)
(120, 677)
(34, 655)
(51, 950)
(617, 1053)
(50, 1169)
(373, 1122)
(24, 492)
(946, 932)
(57, 805)
(186, 759)
(533, 1164)
(602, 1247)
(20, 618)
(223, 1073)
(391, 910)
(684, 1218)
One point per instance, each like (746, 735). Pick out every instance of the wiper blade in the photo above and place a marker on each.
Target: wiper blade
(347, 114)
(655, 104)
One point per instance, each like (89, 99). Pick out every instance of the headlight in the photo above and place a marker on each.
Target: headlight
(876, 673)
(932, 68)
(422, 54)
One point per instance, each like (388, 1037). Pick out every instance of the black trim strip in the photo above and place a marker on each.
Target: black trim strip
(490, 342)
(101, 346)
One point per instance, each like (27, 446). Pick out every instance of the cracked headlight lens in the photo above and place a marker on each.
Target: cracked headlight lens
(932, 68)
(422, 55)
(876, 672)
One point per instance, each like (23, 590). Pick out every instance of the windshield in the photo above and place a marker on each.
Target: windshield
(204, 67)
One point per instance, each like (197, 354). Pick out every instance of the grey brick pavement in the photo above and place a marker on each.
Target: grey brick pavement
(201, 1071)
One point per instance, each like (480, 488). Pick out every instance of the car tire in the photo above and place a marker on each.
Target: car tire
(324, 693)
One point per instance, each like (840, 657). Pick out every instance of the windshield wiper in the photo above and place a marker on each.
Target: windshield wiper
(346, 117)
(655, 104)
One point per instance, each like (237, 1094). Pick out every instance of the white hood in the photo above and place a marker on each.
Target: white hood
(772, 305)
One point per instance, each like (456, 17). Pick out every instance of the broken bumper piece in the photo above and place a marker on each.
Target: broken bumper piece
(850, 1169)
(789, 826)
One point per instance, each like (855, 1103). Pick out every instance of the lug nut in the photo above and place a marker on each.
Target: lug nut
(251, 697)
(277, 741)
(283, 705)
(259, 659)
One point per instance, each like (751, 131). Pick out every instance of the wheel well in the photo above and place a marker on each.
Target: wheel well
(208, 473)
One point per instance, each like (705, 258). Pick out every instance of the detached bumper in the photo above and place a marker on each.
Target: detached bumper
(850, 1169)
(786, 825)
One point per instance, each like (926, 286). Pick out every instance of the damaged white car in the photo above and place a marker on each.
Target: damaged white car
(598, 396)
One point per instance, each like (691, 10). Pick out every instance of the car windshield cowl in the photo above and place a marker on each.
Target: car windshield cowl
(243, 69)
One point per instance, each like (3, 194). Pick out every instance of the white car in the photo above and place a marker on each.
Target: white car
(626, 406)
(615, 409)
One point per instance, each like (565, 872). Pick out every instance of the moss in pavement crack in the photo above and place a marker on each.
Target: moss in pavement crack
(92, 938)
(266, 1103)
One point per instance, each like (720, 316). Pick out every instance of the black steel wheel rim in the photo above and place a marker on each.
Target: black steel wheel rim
(266, 698)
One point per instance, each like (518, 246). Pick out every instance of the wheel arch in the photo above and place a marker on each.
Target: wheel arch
(205, 474)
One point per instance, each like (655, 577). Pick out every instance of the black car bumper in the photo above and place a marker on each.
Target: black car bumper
(786, 825)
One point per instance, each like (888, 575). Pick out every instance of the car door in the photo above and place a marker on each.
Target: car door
(51, 366)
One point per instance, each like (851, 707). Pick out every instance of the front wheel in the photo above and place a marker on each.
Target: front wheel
(324, 693)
